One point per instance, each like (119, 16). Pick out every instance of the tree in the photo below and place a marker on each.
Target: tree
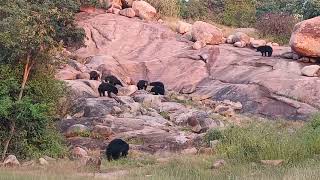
(240, 13)
(311, 8)
(30, 33)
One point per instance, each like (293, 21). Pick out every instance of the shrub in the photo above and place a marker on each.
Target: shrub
(239, 13)
(311, 8)
(279, 26)
(193, 9)
(35, 134)
(167, 8)
(211, 135)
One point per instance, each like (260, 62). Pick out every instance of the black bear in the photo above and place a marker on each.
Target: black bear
(264, 50)
(117, 148)
(157, 83)
(113, 80)
(142, 84)
(157, 90)
(103, 87)
(94, 75)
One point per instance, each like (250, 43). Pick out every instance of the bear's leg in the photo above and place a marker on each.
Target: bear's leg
(124, 153)
(269, 53)
(116, 156)
(109, 156)
(109, 94)
(103, 93)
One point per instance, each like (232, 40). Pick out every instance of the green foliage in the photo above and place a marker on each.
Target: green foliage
(165, 114)
(211, 135)
(34, 131)
(240, 13)
(311, 8)
(194, 9)
(279, 26)
(167, 8)
(260, 141)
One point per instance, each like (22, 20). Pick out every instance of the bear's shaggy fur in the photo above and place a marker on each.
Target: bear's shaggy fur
(157, 90)
(142, 84)
(264, 50)
(94, 75)
(117, 148)
(157, 83)
(103, 87)
(113, 80)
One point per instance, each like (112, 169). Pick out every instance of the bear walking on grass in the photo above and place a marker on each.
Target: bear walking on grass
(103, 87)
(117, 148)
(142, 84)
(265, 50)
(94, 75)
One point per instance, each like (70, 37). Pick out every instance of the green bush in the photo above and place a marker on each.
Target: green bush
(35, 134)
(211, 135)
(240, 13)
(267, 141)
(167, 8)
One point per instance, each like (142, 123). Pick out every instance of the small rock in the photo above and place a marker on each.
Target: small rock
(102, 131)
(198, 45)
(240, 44)
(116, 11)
(218, 164)
(241, 37)
(78, 152)
(189, 151)
(11, 161)
(304, 59)
(144, 10)
(76, 129)
(128, 12)
(116, 110)
(275, 44)
(295, 56)
(43, 162)
(311, 71)
(160, 21)
(272, 162)
(183, 27)
(230, 39)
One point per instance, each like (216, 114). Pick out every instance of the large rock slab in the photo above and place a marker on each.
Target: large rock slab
(305, 39)
(271, 86)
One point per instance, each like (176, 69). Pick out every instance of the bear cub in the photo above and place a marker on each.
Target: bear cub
(117, 148)
(94, 75)
(142, 84)
(103, 87)
(265, 50)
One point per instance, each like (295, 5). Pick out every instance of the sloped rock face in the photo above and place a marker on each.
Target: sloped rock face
(132, 50)
(305, 39)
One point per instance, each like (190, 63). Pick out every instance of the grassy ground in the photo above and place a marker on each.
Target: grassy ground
(297, 144)
(189, 167)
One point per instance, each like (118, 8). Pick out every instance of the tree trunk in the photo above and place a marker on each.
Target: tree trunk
(6, 144)
(27, 69)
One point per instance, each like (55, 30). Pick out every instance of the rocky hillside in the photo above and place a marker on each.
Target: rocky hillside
(134, 49)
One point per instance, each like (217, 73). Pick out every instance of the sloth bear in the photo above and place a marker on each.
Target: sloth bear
(103, 87)
(157, 90)
(117, 148)
(113, 80)
(157, 83)
(142, 84)
(94, 75)
(264, 50)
